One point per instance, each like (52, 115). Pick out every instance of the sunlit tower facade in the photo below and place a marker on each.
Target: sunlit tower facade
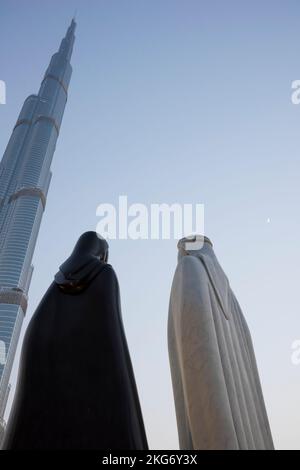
(24, 181)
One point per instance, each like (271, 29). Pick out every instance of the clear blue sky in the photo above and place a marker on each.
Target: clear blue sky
(175, 101)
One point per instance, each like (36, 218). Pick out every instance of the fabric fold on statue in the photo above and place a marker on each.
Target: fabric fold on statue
(76, 387)
(217, 392)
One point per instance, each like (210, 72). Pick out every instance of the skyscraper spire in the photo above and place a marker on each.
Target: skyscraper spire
(67, 42)
(24, 181)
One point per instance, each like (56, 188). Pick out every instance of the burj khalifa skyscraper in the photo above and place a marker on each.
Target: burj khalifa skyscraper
(24, 181)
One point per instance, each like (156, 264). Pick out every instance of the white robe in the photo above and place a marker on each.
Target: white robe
(218, 396)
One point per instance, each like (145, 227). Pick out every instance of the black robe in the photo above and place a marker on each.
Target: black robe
(76, 387)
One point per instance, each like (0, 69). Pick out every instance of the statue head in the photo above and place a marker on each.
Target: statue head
(192, 245)
(87, 259)
(92, 243)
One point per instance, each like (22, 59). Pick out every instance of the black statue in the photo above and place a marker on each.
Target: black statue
(76, 387)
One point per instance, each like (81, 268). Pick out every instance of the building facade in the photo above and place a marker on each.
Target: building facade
(24, 181)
